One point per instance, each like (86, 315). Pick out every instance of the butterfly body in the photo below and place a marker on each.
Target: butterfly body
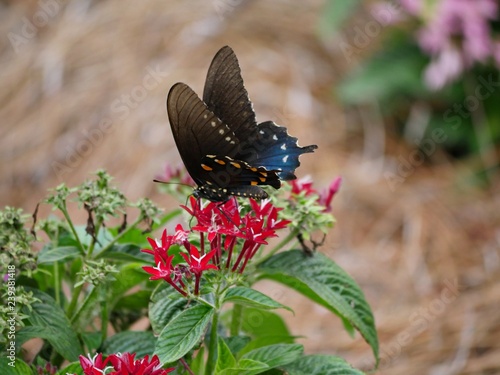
(223, 148)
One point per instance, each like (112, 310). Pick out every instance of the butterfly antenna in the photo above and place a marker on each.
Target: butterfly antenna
(171, 183)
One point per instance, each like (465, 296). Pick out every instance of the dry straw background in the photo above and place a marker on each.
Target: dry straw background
(426, 253)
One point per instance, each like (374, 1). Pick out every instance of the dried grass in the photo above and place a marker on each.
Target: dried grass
(405, 247)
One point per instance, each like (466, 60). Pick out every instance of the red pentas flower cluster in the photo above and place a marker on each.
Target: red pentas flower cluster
(232, 239)
(305, 185)
(122, 364)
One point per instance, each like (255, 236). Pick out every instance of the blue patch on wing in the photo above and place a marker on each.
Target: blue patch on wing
(274, 149)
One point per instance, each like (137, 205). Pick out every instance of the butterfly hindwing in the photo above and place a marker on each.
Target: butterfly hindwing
(226, 176)
(274, 149)
(227, 172)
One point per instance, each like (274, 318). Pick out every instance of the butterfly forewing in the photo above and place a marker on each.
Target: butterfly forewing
(197, 131)
(226, 96)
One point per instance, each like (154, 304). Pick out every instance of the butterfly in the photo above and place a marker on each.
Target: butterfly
(224, 149)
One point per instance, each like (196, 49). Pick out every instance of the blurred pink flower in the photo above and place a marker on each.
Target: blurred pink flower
(456, 34)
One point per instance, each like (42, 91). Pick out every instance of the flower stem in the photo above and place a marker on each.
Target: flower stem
(118, 237)
(74, 300)
(72, 228)
(212, 349)
(234, 329)
(57, 284)
(186, 366)
(94, 240)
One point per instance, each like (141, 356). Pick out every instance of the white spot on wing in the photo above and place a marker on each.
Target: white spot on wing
(285, 158)
(221, 131)
(213, 124)
(283, 146)
(228, 139)
(275, 137)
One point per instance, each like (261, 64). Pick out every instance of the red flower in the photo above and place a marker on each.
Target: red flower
(326, 197)
(199, 263)
(303, 184)
(93, 365)
(122, 364)
(181, 235)
(202, 214)
(266, 210)
(162, 270)
(159, 248)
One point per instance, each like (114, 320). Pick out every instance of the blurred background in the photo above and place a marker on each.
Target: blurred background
(402, 98)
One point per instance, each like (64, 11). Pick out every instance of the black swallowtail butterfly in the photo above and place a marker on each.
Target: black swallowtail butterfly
(223, 148)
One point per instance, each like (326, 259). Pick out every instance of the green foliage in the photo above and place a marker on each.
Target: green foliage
(392, 75)
(335, 14)
(89, 278)
(324, 282)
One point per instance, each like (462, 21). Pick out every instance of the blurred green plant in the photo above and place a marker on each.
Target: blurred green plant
(435, 61)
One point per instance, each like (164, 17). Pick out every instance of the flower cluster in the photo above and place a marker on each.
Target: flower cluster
(122, 364)
(305, 186)
(228, 239)
(456, 34)
(307, 209)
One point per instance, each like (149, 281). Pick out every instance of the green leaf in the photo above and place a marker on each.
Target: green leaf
(92, 340)
(274, 355)
(17, 367)
(30, 332)
(266, 341)
(334, 14)
(183, 332)
(125, 252)
(133, 235)
(198, 363)
(259, 323)
(320, 277)
(252, 298)
(135, 301)
(166, 303)
(129, 276)
(58, 254)
(139, 342)
(247, 367)
(54, 325)
(72, 368)
(236, 343)
(225, 359)
(387, 76)
(320, 365)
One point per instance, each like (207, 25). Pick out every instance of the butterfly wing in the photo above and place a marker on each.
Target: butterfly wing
(226, 96)
(264, 145)
(197, 131)
(274, 149)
